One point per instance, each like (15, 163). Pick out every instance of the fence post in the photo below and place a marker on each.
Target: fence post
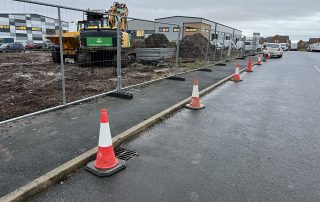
(208, 46)
(64, 99)
(119, 92)
(241, 49)
(215, 45)
(229, 50)
(178, 48)
(222, 47)
(175, 76)
(244, 47)
(119, 49)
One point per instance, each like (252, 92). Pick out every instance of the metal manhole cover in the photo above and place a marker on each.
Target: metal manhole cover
(124, 154)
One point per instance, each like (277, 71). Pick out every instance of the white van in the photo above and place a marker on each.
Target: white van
(240, 44)
(284, 46)
(314, 47)
(249, 46)
(294, 46)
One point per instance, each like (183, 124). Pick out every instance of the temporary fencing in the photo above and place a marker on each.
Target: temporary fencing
(72, 55)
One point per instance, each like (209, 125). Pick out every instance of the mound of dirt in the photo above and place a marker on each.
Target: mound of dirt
(195, 46)
(157, 41)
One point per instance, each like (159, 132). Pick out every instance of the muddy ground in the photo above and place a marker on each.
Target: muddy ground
(31, 81)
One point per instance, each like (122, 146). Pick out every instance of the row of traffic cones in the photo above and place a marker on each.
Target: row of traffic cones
(236, 75)
(106, 163)
(195, 99)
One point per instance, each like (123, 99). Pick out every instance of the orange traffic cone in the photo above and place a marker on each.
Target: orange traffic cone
(106, 163)
(259, 61)
(236, 75)
(249, 67)
(195, 99)
(269, 55)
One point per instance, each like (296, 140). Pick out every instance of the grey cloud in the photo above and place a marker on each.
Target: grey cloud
(299, 19)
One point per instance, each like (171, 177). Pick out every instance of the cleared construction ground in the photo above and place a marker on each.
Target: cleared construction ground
(31, 81)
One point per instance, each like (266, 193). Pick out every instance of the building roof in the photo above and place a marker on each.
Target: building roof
(314, 40)
(283, 37)
(141, 20)
(200, 18)
(31, 14)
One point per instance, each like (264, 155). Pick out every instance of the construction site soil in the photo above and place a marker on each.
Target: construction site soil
(195, 46)
(31, 81)
(157, 41)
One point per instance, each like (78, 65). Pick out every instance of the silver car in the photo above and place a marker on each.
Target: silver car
(274, 49)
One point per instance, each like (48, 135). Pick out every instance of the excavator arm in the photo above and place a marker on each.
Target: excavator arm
(118, 9)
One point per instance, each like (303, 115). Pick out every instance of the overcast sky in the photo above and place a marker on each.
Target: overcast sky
(296, 18)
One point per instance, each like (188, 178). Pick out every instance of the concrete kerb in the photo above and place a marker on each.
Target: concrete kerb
(68, 169)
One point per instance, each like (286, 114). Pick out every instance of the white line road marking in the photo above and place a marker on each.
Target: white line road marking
(316, 68)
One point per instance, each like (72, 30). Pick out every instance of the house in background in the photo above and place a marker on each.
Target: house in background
(280, 39)
(303, 44)
(276, 39)
(314, 40)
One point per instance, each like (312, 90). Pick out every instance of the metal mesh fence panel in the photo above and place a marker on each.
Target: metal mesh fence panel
(69, 55)
(30, 81)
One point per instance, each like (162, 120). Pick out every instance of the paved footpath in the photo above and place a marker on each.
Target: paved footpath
(257, 140)
(33, 146)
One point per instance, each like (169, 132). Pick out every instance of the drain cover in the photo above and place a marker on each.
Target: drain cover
(124, 154)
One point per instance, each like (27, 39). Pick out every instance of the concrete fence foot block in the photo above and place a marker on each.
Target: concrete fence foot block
(122, 95)
(176, 78)
(205, 70)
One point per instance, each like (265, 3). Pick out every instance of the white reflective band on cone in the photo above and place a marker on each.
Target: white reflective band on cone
(237, 70)
(105, 139)
(195, 91)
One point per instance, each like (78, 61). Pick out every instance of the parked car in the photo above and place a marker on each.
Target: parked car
(284, 46)
(34, 46)
(29, 46)
(23, 43)
(41, 45)
(274, 49)
(12, 47)
(50, 46)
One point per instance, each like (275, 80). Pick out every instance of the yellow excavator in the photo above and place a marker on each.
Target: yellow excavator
(95, 41)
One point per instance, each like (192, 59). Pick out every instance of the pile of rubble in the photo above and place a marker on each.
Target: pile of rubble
(157, 41)
(195, 46)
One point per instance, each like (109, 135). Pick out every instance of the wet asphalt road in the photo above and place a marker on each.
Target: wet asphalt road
(33, 146)
(257, 140)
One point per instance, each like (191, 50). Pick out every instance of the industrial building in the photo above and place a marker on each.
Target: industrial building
(23, 27)
(169, 26)
(140, 28)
